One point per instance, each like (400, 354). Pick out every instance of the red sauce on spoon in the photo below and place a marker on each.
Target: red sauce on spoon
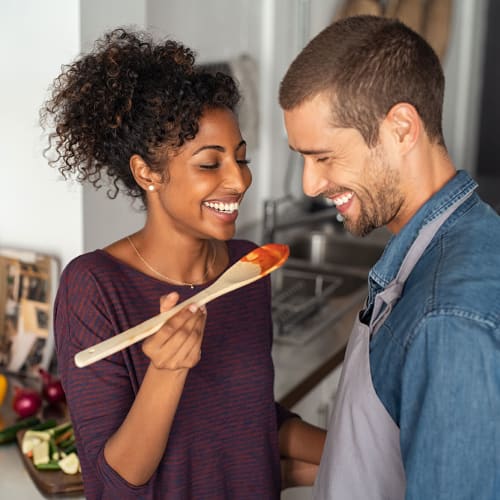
(268, 257)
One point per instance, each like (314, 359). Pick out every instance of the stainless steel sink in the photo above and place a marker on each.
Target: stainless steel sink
(318, 248)
(298, 294)
(342, 256)
(324, 277)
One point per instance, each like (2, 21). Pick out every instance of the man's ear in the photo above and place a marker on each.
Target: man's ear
(143, 175)
(405, 126)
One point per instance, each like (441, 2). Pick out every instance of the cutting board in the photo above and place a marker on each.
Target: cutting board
(50, 482)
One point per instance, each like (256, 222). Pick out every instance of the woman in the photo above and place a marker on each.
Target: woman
(189, 413)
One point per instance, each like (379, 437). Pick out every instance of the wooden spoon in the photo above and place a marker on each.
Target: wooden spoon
(251, 267)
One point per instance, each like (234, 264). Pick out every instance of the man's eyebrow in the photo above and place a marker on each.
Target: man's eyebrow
(310, 151)
(217, 148)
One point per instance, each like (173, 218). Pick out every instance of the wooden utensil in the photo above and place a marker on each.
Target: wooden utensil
(251, 267)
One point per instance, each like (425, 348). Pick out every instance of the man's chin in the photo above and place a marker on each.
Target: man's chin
(358, 228)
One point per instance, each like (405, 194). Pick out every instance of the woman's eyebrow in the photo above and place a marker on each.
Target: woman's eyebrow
(209, 146)
(217, 147)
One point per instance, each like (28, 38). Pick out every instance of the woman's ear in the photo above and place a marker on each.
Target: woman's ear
(143, 175)
(404, 125)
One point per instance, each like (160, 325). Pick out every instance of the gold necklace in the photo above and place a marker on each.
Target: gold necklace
(151, 268)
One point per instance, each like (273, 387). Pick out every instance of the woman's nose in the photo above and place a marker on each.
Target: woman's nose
(313, 181)
(238, 177)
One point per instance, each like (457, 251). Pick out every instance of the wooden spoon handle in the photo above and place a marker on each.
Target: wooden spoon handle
(125, 339)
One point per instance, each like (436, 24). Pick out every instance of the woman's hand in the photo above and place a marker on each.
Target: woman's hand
(297, 473)
(177, 345)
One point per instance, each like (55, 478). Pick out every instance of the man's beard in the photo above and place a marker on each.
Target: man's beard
(363, 226)
(379, 203)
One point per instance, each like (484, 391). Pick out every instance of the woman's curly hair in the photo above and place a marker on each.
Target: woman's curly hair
(128, 96)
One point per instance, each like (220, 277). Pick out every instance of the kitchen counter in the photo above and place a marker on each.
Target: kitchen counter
(16, 483)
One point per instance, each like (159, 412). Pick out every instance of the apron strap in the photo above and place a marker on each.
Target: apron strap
(385, 300)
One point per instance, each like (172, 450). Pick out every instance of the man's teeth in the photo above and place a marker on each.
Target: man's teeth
(227, 208)
(340, 200)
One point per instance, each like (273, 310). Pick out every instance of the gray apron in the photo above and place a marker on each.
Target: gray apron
(362, 456)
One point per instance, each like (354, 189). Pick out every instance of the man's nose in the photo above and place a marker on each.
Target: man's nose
(313, 181)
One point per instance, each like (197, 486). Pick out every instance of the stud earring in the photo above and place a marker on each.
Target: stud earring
(151, 187)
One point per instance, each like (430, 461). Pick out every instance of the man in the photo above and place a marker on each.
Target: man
(418, 407)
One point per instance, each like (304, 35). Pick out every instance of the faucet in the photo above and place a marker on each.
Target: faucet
(303, 218)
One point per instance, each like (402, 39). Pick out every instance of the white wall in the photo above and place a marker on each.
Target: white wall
(39, 212)
(106, 220)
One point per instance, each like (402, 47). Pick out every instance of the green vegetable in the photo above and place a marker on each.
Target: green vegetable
(50, 465)
(34, 435)
(42, 426)
(70, 449)
(8, 435)
(70, 464)
(53, 450)
(41, 435)
(52, 446)
(67, 442)
(31, 439)
(60, 429)
(41, 453)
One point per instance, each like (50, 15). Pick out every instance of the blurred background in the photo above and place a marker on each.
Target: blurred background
(256, 40)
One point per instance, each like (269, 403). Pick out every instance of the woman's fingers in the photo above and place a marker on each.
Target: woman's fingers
(188, 348)
(177, 344)
(181, 349)
(168, 301)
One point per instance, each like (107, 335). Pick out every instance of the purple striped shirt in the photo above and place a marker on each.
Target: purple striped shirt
(224, 439)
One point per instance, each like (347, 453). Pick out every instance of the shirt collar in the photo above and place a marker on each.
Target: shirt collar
(386, 269)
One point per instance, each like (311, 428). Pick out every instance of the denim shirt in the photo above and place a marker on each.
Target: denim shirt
(435, 362)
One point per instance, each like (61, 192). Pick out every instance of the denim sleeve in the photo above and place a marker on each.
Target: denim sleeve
(450, 409)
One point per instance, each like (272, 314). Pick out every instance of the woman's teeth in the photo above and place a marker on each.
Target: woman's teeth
(227, 208)
(341, 200)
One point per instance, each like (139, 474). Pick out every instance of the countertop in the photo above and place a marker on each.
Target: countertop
(300, 366)
(16, 483)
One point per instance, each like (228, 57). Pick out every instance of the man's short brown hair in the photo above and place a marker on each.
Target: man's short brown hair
(366, 65)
